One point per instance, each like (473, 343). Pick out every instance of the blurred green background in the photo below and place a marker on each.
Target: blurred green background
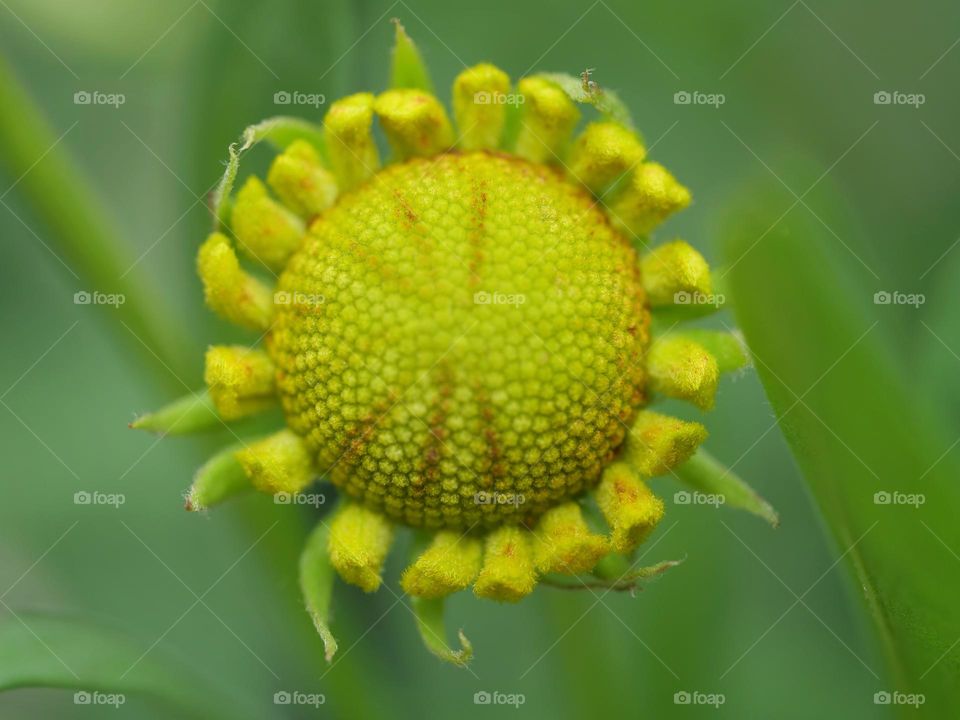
(798, 81)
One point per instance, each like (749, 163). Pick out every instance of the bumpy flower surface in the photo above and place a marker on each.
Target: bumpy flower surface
(464, 340)
(459, 340)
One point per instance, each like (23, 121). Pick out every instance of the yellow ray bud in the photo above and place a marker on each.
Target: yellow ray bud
(681, 368)
(228, 290)
(479, 106)
(278, 463)
(414, 121)
(675, 274)
(359, 541)
(450, 564)
(564, 543)
(657, 443)
(652, 195)
(546, 122)
(350, 145)
(265, 230)
(300, 180)
(604, 152)
(241, 380)
(629, 506)
(508, 573)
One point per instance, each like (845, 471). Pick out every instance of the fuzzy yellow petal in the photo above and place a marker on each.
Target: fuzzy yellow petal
(229, 291)
(508, 573)
(657, 443)
(266, 231)
(450, 564)
(279, 463)
(603, 153)
(348, 130)
(300, 181)
(675, 273)
(564, 543)
(359, 542)
(414, 121)
(681, 368)
(630, 508)
(241, 380)
(651, 197)
(547, 120)
(480, 94)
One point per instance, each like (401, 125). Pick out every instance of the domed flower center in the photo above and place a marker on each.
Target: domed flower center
(460, 341)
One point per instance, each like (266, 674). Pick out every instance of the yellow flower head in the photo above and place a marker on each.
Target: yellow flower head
(460, 340)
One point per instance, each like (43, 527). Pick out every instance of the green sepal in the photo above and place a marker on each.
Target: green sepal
(430, 623)
(408, 69)
(278, 131)
(189, 414)
(727, 348)
(706, 474)
(607, 102)
(613, 572)
(317, 577)
(220, 478)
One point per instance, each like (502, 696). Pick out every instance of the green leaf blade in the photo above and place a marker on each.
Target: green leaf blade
(855, 428)
(72, 653)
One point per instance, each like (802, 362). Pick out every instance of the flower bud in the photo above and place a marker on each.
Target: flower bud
(415, 122)
(278, 463)
(657, 443)
(479, 113)
(350, 145)
(229, 291)
(241, 380)
(604, 152)
(300, 180)
(652, 195)
(630, 508)
(508, 572)
(547, 121)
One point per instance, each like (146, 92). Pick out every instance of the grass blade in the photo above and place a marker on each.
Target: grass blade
(852, 420)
